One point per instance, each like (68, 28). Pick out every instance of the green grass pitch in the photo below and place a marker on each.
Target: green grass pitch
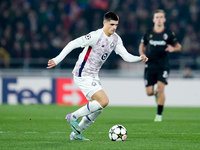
(43, 127)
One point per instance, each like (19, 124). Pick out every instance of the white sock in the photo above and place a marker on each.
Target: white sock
(89, 119)
(87, 109)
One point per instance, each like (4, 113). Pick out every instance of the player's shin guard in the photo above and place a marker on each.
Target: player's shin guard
(88, 120)
(89, 108)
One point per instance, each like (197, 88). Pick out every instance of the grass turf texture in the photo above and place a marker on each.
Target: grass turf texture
(44, 127)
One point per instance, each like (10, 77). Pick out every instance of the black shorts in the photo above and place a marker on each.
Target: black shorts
(151, 76)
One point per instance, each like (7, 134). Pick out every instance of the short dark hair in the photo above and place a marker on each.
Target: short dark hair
(110, 16)
(158, 11)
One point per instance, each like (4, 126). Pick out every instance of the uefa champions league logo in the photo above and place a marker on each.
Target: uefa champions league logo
(88, 36)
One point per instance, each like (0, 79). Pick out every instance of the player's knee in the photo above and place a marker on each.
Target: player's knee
(150, 93)
(160, 90)
(105, 102)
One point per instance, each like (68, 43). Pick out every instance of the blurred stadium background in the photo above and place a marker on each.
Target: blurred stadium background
(34, 31)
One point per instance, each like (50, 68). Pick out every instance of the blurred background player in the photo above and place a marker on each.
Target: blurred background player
(156, 44)
(98, 45)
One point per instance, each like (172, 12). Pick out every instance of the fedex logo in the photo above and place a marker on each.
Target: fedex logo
(28, 90)
(67, 93)
(34, 90)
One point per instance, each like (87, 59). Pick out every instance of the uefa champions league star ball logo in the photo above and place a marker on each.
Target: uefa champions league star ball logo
(88, 36)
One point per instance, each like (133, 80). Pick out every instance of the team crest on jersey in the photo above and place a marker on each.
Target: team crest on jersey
(165, 36)
(88, 36)
(112, 45)
(94, 83)
(150, 35)
(104, 56)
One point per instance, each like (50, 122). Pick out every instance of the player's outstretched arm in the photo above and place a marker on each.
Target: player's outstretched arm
(126, 56)
(66, 50)
(51, 64)
(176, 48)
(144, 58)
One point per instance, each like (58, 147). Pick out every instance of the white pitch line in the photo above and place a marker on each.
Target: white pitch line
(30, 132)
(57, 132)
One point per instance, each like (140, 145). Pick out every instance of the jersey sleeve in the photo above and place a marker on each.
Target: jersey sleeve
(87, 40)
(144, 39)
(172, 39)
(121, 50)
(83, 41)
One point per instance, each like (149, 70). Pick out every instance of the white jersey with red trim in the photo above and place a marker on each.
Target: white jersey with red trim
(97, 48)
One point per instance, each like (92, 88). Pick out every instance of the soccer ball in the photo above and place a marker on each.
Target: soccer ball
(117, 133)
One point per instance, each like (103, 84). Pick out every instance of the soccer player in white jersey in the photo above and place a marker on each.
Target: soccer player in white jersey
(97, 45)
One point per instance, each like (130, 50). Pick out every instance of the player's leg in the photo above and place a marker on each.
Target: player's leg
(101, 97)
(162, 81)
(150, 81)
(150, 90)
(161, 93)
(88, 116)
(89, 108)
(89, 120)
(98, 102)
(92, 90)
(160, 102)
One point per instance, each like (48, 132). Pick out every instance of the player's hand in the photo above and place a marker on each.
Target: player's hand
(144, 58)
(51, 64)
(169, 48)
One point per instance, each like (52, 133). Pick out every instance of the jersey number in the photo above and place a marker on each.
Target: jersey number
(165, 74)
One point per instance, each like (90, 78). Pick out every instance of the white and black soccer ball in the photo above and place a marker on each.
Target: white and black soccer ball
(118, 133)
